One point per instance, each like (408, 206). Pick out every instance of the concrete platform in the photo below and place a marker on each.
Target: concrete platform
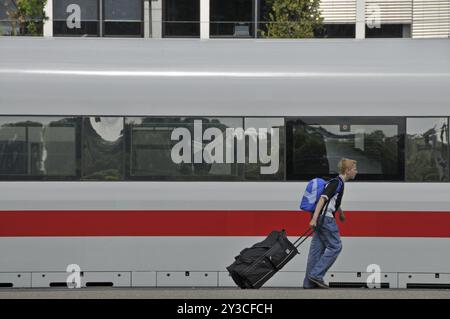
(222, 293)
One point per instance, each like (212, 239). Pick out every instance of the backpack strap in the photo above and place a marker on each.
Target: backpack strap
(325, 208)
(340, 186)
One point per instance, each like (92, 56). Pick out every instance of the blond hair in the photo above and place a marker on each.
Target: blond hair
(345, 164)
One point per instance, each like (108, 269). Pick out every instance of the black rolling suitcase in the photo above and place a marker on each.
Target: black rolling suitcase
(256, 265)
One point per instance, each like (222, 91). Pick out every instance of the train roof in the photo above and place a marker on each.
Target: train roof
(90, 76)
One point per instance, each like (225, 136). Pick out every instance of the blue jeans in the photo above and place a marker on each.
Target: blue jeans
(324, 250)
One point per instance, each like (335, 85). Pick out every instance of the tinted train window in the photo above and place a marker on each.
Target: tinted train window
(315, 146)
(102, 148)
(264, 148)
(427, 150)
(38, 147)
(179, 148)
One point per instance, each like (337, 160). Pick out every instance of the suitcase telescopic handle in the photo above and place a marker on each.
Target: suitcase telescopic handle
(303, 237)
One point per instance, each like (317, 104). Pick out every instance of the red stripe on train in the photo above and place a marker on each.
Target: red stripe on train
(215, 223)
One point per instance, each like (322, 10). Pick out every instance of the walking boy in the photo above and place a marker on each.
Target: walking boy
(326, 243)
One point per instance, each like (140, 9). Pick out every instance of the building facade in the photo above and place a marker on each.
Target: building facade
(238, 18)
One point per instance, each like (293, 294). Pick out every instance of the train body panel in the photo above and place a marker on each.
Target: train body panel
(164, 252)
(164, 227)
(173, 195)
(225, 78)
(212, 254)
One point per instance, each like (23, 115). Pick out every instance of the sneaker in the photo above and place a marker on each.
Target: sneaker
(310, 285)
(319, 283)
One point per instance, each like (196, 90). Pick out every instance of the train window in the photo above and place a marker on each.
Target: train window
(264, 148)
(102, 154)
(123, 17)
(179, 148)
(315, 146)
(427, 150)
(76, 18)
(38, 148)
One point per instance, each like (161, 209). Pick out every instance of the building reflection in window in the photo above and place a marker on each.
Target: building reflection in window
(152, 143)
(38, 147)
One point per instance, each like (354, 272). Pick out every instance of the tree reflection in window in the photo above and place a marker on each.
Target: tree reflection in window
(317, 145)
(427, 150)
(102, 151)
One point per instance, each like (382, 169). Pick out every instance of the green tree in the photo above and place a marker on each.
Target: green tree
(293, 19)
(28, 15)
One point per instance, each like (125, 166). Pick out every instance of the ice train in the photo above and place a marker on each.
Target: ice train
(152, 163)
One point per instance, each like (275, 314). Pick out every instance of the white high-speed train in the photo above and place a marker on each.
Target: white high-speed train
(153, 163)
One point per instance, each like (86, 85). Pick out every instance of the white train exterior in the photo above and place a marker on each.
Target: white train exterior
(157, 232)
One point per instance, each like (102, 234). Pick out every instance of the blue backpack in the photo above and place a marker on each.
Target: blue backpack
(312, 193)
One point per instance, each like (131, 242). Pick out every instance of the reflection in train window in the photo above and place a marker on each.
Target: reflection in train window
(427, 150)
(102, 148)
(315, 146)
(179, 148)
(37, 147)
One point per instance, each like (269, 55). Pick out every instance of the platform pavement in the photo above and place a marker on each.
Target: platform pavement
(222, 293)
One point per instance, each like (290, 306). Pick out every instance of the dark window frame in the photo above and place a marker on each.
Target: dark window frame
(101, 21)
(336, 31)
(75, 34)
(216, 24)
(105, 21)
(287, 119)
(386, 31)
(164, 23)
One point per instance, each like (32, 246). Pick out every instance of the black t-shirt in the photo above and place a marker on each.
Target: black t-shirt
(333, 199)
